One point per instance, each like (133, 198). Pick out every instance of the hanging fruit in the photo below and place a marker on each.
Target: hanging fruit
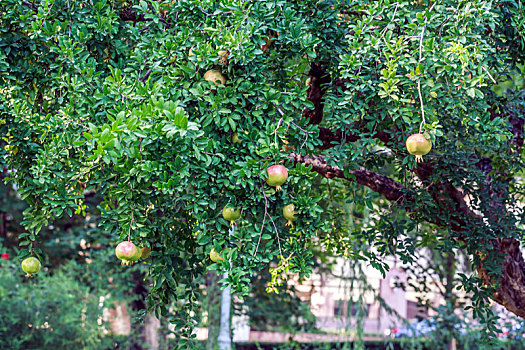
(289, 214)
(418, 145)
(277, 175)
(230, 214)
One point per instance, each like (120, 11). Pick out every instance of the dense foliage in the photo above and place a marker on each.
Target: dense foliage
(110, 98)
(54, 311)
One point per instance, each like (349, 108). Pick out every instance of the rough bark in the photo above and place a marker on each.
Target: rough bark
(510, 293)
(450, 200)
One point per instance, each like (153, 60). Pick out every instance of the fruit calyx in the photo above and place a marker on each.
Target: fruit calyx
(127, 252)
(418, 145)
(31, 266)
(277, 175)
(289, 214)
(230, 214)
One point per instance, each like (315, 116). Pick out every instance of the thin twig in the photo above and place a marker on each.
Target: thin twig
(305, 131)
(278, 238)
(423, 122)
(386, 27)
(264, 218)
(146, 76)
(130, 223)
(493, 80)
(275, 132)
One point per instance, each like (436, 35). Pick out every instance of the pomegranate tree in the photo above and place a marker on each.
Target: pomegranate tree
(127, 252)
(289, 214)
(31, 266)
(231, 214)
(418, 145)
(277, 175)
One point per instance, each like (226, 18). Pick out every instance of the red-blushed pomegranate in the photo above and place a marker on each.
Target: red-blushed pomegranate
(277, 175)
(127, 252)
(231, 214)
(31, 266)
(289, 214)
(144, 252)
(418, 145)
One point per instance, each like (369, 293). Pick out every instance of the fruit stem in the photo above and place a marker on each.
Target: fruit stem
(129, 230)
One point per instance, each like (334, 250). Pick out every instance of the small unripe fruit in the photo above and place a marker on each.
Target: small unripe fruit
(235, 138)
(231, 215)
(418, 145)
(144, 252)
(214, 256)
(289, 214)
(31, 266)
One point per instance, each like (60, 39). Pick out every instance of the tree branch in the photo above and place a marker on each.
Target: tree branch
(390, 188)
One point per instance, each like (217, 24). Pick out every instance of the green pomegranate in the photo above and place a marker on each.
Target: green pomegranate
(144, 252)
(31, 266)
(289, 214)
(277, 175)
(235, 138)
(230, 214)
(127, 252)
(214, 256)
(418, 145)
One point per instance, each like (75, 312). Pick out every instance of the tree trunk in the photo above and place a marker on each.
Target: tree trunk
(138, 331)
(450, 297)
(214, 301)
(225, 342)
(152, 332)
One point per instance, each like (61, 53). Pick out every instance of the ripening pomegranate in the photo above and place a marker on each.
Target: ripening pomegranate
(277, 175)
(418, 145)
(127, 252)
(289, 214)
(31, 266)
